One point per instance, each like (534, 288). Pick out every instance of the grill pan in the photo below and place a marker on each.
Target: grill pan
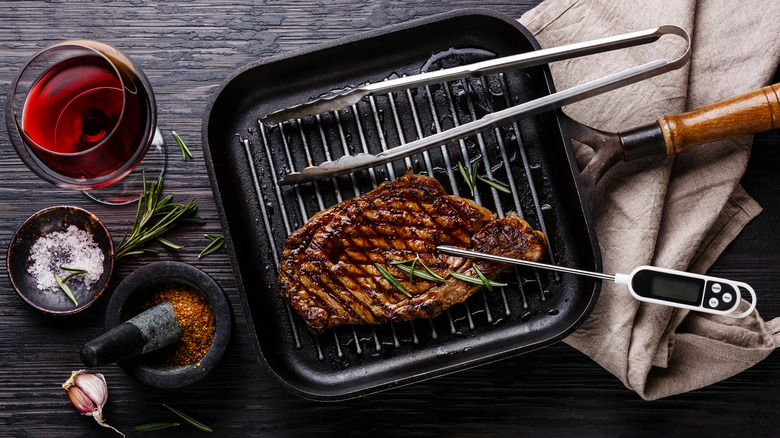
(245, 160)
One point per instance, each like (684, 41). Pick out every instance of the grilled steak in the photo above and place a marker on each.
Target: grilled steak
(328, 269)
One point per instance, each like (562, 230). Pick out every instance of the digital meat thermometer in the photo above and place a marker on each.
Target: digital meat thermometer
(681, 289)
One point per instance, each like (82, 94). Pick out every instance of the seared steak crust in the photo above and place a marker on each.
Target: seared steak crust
(327, 270)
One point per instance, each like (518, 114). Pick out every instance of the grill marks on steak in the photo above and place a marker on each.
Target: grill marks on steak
(328, 272)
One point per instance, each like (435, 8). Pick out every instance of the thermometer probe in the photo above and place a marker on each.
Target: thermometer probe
(669, 287)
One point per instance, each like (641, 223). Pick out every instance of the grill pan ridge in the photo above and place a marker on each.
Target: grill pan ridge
(534, 156)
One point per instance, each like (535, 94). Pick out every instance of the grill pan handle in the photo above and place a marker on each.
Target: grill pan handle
(750, 113)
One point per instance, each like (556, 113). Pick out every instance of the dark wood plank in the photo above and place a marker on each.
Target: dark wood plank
(187, 48)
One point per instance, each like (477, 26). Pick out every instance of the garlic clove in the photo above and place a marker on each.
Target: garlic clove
(88, 393)
(94, 386)
(81, 401)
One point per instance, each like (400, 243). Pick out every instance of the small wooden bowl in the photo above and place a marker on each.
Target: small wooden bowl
(151, 369)
(46, 221)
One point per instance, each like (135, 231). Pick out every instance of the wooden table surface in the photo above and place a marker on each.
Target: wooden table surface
(186, 49)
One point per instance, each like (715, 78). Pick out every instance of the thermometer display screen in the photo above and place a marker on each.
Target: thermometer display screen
(686, 290)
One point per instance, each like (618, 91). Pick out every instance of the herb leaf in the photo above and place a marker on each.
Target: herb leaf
(185, 151)
(466, 177)
(76, 270)
(425, 275)
(191, 421)
(392, 280)
(437, 277)
(475, 280)
(421, 274)
(65, 288)
(140, 251)
(484, 279)
(166, 214)
(149, 427)
(169, 244)
(403, 262)
(73, 272)
(217, 242)
(496, 185)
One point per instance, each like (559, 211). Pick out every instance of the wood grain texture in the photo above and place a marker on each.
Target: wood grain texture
(753, 112)
(186, 49)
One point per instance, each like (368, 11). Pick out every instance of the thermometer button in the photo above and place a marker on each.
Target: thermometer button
(716, 287)
(727, 297)
(714, 302)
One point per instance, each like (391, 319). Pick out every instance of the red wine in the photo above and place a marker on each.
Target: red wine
(79, 121)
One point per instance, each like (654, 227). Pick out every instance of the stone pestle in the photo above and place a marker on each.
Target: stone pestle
(150, 330)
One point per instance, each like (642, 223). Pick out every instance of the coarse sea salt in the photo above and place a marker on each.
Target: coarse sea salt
(73, 248)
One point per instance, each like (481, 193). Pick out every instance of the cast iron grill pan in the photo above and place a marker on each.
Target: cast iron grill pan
(245, 159)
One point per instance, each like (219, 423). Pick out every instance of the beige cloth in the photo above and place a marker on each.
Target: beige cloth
(677, 212)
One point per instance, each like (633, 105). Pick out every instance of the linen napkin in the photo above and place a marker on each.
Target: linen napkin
(676, 212)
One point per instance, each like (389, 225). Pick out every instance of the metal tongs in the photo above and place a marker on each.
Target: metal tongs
(337, 101)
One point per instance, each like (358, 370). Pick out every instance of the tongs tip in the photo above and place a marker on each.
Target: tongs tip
(292, 178)
(276, 117)
(341, 166)
(330, 102)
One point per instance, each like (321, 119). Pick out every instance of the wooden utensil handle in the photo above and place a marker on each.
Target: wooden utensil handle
(749, 113)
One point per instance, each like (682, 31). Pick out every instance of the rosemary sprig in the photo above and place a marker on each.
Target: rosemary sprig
(65, 288)
(471, 178)
(144, 230)
(185, 151)
(149, 427)
(217, 241)
(191, 421)
(475, 280)
(429, 275)
(392, 280)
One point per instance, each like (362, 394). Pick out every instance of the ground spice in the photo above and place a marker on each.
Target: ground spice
(196, 318)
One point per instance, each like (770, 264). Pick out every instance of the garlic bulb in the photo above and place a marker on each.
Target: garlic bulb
(88, 393)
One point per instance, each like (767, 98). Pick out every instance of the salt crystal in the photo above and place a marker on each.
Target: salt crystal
(73, 248)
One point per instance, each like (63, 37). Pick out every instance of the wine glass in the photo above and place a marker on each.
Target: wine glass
(82, 115)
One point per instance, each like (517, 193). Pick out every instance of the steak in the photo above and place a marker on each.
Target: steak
(329, 268)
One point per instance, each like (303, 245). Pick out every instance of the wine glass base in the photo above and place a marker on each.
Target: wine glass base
(129, 188)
